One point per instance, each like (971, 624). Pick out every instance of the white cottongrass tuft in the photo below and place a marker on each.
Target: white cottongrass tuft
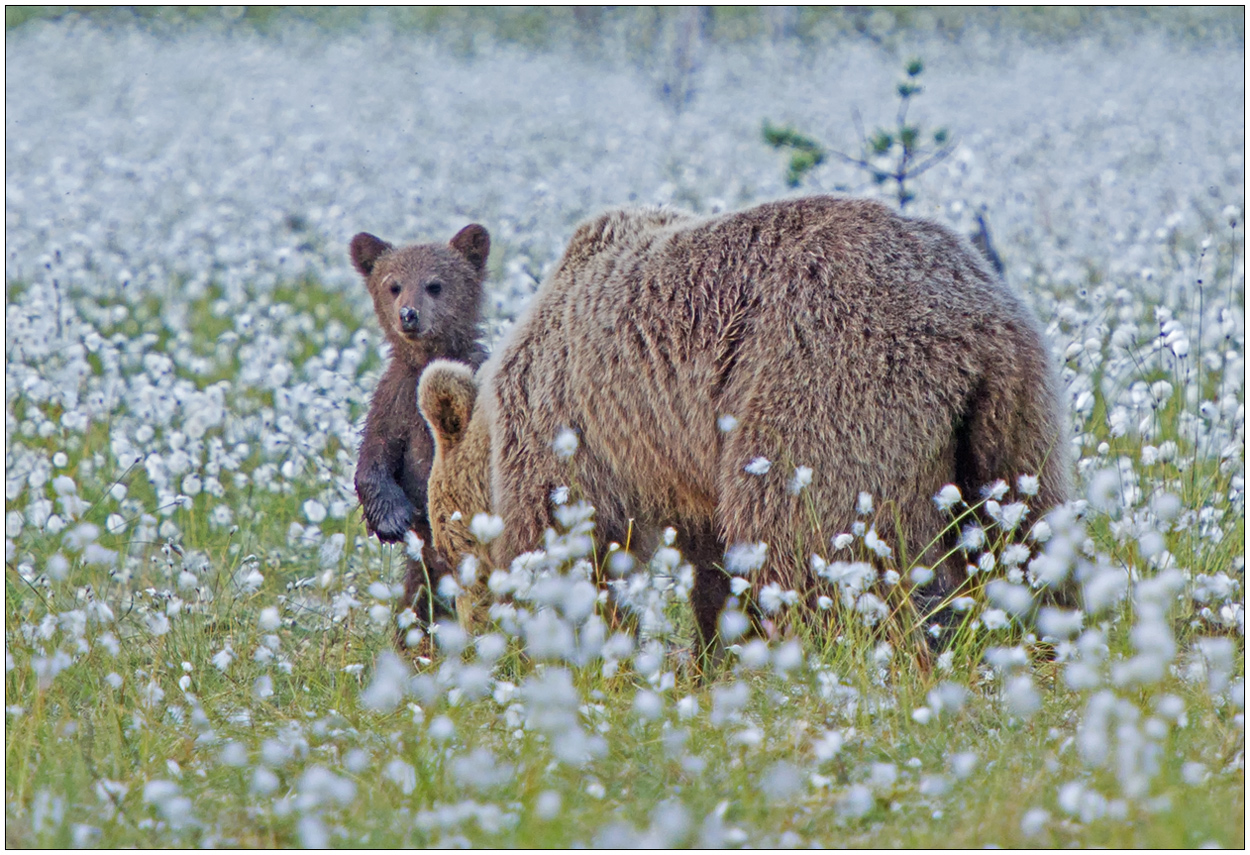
(1014, 599)
(648, 705)
(994, 619)
(788, 656)
(782, 782)
(964, 764)
(1014, 554)
(801, 480)
(262, 688)
(1021, 696)
(565, 444)
(971, 538)
(948, 497)
(389, 685)
(1010, 516)
(222, 658)
(1104, 490)
(754, 654)
(402, 774)
(995, 491)
(451, 637)
(732, 624)
(773, 598)
(744, 558)
(1059, 623)
(264, 781)
(379, 615)
(871, 609)
(442, 729)
(947, 698)
(167, 798)
(828, 745)
(331, 551)
(547, 805)
(314, 511)
(856, 802)
(233, 754)
(486, 527)
(882, 776)
(875, 544)
(1034, 822)
(413, 545)
(758, 466)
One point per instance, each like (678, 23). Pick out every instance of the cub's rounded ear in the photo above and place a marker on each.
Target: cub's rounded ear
(446, 394)
(366, 249)
(473, 242)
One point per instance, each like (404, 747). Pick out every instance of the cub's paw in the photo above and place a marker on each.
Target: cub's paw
(390, 520)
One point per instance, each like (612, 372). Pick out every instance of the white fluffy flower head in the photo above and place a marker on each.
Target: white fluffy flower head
(758, 466)
(565, 444)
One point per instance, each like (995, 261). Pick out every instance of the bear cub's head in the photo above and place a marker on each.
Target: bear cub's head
(428, 296)
(459, 482)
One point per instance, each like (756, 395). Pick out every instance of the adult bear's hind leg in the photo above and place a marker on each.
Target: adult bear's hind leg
(702, 547)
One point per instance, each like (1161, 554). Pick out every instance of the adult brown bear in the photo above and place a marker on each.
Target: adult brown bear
(702, 362)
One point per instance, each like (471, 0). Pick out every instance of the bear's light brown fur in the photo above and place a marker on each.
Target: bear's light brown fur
(878, 350)
(459, 475)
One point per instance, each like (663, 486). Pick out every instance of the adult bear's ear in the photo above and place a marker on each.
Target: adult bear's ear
(446, 395)
(473, 242)
(366, 250)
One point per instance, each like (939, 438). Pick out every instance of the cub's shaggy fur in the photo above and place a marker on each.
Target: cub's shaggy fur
(877, 350)
(428, 302)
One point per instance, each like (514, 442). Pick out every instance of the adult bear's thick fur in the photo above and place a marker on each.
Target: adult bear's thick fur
(879, 351)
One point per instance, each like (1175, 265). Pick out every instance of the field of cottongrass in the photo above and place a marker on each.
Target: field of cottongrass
(198, 633)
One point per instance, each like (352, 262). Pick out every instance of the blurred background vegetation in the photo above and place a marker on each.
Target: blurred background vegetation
(541, 27)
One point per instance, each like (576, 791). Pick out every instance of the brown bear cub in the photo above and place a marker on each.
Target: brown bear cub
(743, 378)
(428, 300)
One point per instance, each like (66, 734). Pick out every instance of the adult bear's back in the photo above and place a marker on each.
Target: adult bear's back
(877, 350)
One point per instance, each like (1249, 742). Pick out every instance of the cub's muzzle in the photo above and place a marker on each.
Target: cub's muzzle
(409, 319)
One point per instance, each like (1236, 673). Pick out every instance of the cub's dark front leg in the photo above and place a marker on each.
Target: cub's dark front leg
(390, 511)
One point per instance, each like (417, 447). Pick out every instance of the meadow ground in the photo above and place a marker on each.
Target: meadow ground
(198, 630)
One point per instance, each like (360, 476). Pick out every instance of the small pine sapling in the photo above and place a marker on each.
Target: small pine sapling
(897, 155)
(806, 154)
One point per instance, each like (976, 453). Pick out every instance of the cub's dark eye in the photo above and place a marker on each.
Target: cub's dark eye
(434, 289)
(394, 289)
